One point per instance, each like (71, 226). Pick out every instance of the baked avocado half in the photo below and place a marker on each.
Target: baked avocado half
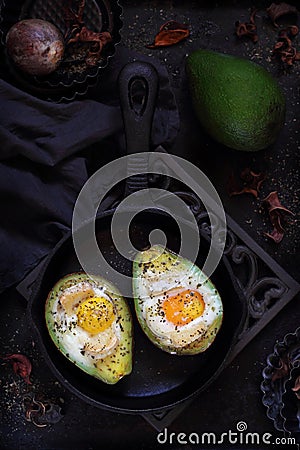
(91, 324)
(178, 308)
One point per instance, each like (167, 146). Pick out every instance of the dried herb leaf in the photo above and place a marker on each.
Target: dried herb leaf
(21, 365)
(278, 10)
(170, 33)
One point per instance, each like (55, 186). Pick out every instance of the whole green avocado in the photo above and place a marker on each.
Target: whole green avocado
(237, 101)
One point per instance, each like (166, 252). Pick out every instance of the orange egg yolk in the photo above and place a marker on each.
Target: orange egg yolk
(95, 314)
(183, 307)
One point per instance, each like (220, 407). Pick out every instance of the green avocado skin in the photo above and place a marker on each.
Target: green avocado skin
(237, 101)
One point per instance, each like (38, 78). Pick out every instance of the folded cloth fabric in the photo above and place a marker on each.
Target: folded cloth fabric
(49, 150)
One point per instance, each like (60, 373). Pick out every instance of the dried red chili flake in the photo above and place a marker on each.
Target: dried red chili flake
(247, 29)
(294, 30)
(40, 411)
(21, 365)
(284, 49)
(296, 387)
(272, 202)
(277, 213)
(78, 32)
(281, 9)
(170, 33)
(281, 371)
(249, 183)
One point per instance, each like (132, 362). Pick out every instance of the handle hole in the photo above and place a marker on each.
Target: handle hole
(138, 95)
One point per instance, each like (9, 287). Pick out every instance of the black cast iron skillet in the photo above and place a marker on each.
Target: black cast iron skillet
(158, 380)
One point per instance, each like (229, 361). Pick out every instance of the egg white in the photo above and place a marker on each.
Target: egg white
(157, 282)
(179, 336)
(77, 343)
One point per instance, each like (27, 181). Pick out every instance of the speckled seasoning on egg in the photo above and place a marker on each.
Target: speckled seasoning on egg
(179, 309)
(91, 325)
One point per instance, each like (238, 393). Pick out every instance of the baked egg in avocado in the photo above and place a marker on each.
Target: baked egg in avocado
(90, 323)
(178, 308)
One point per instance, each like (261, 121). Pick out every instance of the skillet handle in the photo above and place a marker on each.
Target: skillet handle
(138, 87)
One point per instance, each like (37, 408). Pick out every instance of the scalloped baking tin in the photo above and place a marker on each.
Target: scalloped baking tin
(281, 402)
(73, 77)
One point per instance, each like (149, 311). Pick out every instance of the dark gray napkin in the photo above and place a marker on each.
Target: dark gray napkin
(49, 150)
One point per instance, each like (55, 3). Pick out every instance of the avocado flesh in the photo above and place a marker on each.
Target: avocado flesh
(171, 261)
(114, 366)
(237, 101)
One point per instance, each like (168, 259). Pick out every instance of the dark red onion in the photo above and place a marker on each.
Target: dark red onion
(35, 46)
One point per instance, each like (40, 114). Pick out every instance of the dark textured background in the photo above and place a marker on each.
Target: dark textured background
(236, 394)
